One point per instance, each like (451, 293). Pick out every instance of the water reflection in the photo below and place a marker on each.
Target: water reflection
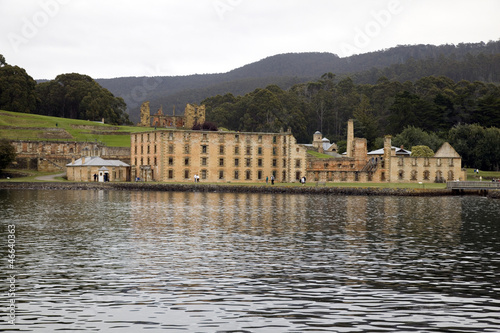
(133, 261)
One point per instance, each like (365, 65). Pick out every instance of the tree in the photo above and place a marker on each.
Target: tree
(78, 96)
(421, 151)
(17, 89)
(413, 136)
(7, 153)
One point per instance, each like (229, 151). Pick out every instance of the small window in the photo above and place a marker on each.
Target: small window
(236, 162)
(221, 162)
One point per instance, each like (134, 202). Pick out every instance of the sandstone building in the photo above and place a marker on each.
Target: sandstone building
(389, 164)
(94, 168)
(179, 155)
(193, 114)
(52, 156)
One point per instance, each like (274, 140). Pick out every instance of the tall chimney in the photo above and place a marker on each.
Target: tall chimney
(350, 137)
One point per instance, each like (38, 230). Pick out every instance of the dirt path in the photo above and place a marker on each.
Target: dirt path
(51, 178)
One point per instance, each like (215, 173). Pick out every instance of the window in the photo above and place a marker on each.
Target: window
(203, 174)
(259, 174)
(186, 149)
(142, 150)
(170, 174)
(248, 162)
(221, 162)
(204, 149)
(155, 147)
(203, 161)
(186, 161)
(259, 150)
(170, 161)
(134, 150)
(284, 163)
(221, 149)
(259, 162)
(297, 175)
(221, 174)
(170, 149)
(413, 175)
(236, 150)
(155, 161)
(297, 163)
(248, 175)
(450, 176)
(249, 150)
(148, 149)
(401, 174)
(236, 162)
(274, 139)
(236, 175)
(148, 162)
(205, 137)
(237, 137)
(274, 151)
(427, 175)
(451, 163)
(186, 174)
(170, 136)
(275, 162)
(259, 139)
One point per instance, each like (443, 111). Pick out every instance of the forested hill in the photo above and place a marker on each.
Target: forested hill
(472, 62)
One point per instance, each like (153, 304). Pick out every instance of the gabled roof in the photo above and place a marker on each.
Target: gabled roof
(399, 151)
(97, 161)
(446, 150)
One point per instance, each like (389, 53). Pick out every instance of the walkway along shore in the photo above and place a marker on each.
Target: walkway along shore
(324, 190)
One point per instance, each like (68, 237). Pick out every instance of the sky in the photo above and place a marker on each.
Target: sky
(117, 38)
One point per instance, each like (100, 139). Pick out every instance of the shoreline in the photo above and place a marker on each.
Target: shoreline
(218, 188)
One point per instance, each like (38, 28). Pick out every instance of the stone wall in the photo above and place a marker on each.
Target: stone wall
(52, 156)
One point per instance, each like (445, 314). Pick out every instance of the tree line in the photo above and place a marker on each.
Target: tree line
(72, 95)
(436, 105)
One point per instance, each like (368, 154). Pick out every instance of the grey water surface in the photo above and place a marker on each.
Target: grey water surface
(120, 261)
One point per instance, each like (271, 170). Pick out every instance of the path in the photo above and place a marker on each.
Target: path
(51, 178)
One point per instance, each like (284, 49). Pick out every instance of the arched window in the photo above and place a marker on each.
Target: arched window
(401, 174)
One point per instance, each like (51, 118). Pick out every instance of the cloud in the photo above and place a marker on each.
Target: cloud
(130, 38)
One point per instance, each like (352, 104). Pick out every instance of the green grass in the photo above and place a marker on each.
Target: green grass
(23, 126)
(318, 155)
(486, 175)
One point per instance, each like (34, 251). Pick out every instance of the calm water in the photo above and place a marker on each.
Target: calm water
(208, 262)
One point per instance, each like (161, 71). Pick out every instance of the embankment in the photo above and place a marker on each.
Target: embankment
(322, 190)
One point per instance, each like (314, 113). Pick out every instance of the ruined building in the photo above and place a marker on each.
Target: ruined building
(389, 164)
(193, 114)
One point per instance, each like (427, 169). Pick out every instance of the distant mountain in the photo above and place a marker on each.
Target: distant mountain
(478, 61)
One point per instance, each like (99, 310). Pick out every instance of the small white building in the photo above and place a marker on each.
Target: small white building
(94, 168)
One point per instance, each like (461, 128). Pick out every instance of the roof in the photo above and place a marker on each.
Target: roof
(399, 151)
(97, 161)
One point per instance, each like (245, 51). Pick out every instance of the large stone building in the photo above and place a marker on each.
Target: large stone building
(179, 155)
(193, 114)
(389, 164)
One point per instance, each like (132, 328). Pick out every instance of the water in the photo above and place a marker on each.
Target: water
(115, 261)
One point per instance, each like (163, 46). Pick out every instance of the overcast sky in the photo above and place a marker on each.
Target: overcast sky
(114, 38)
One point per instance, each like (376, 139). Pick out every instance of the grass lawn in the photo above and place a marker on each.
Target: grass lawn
(486, 175)
(24, 126)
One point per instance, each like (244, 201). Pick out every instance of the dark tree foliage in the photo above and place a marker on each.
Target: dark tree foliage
(78, 96)
(205, 126)
(17, 89)
(7, 153)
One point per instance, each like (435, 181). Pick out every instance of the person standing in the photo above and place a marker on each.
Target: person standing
(272, 179)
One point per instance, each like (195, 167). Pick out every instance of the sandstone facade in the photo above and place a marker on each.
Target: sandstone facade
(357, 166)
(193, 114)
(179, 155)
(52, 156)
